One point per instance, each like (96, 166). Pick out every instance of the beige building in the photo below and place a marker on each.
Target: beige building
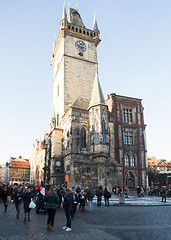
(37, 161)
(82, 138)
(19, 170)
(2, 173)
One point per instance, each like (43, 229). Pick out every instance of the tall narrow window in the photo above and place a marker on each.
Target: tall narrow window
(58, 91)
(127, 115)
(83, 138)
(96, 134)
(127, 160)
(57, 119)
(130, 138)
(103, 131)
(125, 137)
(132, 161)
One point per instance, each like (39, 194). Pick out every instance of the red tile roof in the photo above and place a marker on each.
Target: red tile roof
(19, 162)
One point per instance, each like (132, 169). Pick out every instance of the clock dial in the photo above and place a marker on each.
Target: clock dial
(58, 164)
(80, 45)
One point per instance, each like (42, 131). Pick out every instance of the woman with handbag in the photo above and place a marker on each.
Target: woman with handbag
(51, 200)
(28, 195)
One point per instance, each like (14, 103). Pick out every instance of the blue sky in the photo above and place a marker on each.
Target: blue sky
(134, 60)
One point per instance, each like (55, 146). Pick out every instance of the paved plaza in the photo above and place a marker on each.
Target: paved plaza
(132, 221)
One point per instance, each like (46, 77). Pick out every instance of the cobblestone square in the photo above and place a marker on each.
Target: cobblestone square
(118, 222)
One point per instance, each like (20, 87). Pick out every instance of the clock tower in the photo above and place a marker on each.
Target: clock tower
(74, 60)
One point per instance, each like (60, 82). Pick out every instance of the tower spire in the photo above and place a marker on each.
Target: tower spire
(95, 26)
(64, 15)
(77, 4)
(97, 97)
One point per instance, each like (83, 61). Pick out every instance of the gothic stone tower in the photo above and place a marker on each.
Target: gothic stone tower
(82, 137)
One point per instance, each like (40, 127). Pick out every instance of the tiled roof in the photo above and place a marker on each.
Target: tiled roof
(152, 161)
(19, 162)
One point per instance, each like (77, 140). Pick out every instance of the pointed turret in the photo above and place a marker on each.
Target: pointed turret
(64, 14)
(97, 97)
(95, 26)
(74, 17)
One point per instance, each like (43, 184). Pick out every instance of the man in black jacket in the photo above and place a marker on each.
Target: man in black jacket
(18, 200)
(68, 198)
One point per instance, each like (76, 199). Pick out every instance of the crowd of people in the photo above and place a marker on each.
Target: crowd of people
(48, 198)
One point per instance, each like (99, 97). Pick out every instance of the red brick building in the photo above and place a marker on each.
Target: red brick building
(130, 139)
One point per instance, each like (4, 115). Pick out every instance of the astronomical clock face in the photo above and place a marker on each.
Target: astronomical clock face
(81, 46)
(58, 164)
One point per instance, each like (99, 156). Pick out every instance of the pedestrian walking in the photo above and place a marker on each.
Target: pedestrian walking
(51, 199)
(90, 196)
(142, 192)
(106, 195)
(163, 193)
(67, 204)
(28, 195)
(99, 197)
(74, 202)
(119, 191)
(126, 191)
(138, 191)
(5, 197)
(18, 200)
(82, 201)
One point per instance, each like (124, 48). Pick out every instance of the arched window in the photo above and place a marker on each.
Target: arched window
(127, 160)
(103, 131)
(132, 161)
(83, 138)
(96, 134)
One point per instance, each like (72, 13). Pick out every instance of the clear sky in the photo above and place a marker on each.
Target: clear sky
(134, 60)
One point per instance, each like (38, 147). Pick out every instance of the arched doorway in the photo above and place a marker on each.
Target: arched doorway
(130, 180)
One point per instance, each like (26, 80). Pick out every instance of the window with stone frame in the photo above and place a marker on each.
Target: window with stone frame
(83, 137)
(103, 126)
(126, 160)
(132, 161)
(127, 115)
(128, 138)
(96, 134)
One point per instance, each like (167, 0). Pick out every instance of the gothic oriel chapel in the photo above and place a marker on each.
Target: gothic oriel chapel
(82, 135)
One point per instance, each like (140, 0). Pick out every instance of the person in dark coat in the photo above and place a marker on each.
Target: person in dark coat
(74, 202)
(106, 195)
(51, 200)
(163, 193)
(5, 194)
(99, 197)
(18, 200)
(28, 195)
(67, 204)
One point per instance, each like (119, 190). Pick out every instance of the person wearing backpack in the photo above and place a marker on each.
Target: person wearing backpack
(99, 197)
(90, 195)
(74, 202)
(106, 195)
(67, 205)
